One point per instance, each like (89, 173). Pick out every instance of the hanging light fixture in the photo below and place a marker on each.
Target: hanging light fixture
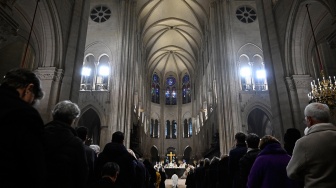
(322, 91)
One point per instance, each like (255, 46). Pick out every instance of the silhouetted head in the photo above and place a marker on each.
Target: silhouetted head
(206, 162)
(240, 138)
(82, 132)
(201, 163)
(25, 82)
(118, 137)
(111, 169)
(290, 137)
(214, 160)
(252, 140)
(266, 140)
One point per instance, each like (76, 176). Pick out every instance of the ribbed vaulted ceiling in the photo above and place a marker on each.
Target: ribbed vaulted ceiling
(171, 32)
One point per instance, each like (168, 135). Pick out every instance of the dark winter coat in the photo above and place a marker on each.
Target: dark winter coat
(163, 179)
(269, 169)
(141, 174)
(234, 157)
(212, 175)
(245, 165)
(200, 177)
(115, 152)
(65, 156)
(151, 172)
(223, 173)
(190, 181)
(104, 182)
(91, 157)
(22, 162)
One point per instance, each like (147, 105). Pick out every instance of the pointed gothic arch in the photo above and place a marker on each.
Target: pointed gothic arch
(187, 154)
(301, 57)
(154, 154)
(259, 123)
(91, 120)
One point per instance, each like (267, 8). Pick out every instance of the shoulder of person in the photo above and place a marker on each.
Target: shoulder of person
(77, 142)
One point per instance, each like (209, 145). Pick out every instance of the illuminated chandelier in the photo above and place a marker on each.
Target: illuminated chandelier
(324, 91)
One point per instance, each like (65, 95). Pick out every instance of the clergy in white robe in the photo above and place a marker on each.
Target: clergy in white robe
(175, 180)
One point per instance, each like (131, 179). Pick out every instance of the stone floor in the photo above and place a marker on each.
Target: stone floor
(181, 183)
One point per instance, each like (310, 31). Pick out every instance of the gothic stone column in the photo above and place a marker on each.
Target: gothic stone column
(50, 80)
(298, 87)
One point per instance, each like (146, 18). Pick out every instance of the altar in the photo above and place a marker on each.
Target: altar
(171, 167)
(178, 171)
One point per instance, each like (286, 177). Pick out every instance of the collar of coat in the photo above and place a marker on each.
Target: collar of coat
(321, 127)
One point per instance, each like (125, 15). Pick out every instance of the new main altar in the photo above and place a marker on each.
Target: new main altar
(172, 168)
(178, 171)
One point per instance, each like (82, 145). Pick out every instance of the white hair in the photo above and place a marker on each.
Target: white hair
(96, 148)
(132, 153)
(65, 111)
(318, 111)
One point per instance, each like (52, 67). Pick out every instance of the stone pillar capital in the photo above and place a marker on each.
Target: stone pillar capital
(50, 73)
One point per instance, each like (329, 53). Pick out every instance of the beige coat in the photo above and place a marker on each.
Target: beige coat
(314, 157)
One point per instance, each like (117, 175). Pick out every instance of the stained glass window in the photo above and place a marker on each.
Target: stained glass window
(155, 89)
(174, 130)
(167, 131)
(171, 81)
(151, 128)
(190, 127)
(154, 128)
(171, 91)
(186, 94)
(185, 128)
(173, 96)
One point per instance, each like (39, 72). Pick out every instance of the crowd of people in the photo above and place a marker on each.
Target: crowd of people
(55, 155)
(254, 162)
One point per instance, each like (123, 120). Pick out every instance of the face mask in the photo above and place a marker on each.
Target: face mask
(306, 130)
